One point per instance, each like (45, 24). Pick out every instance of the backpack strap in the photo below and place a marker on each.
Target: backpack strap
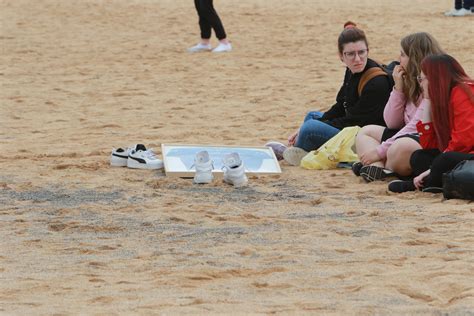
(369, 75)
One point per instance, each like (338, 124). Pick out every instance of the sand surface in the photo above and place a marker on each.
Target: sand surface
(79, 237)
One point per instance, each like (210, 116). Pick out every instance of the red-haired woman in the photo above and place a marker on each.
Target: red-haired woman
(447, 125)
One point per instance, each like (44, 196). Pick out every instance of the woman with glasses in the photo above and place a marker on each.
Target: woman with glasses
(385, 150)
(446, 126)
(350, 109)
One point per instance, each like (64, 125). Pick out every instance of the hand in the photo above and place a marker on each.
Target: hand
(426, 115)
(398, 76)
(369, 157)
(418, 181)
(292, 138)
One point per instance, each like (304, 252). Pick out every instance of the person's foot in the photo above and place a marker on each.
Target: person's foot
(374, 173)
(294, 155)
(460, 12)
(400, 186)
(201, 47)
(278, 149)
(222, 47)
(356, 168)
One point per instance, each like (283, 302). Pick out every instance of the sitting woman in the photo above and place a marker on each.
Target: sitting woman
(381, 148)
(352, 107)
(446, 127)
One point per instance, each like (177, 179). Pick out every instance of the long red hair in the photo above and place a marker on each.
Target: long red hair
(443, 73)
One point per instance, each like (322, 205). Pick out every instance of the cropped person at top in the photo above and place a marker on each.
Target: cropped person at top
(385, 150)
(209, 20)
(350, 109)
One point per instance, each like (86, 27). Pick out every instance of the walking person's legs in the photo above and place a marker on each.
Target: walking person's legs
(212, 18)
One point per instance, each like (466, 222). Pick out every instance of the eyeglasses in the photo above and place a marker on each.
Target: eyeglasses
(361, 53)
(420, 79)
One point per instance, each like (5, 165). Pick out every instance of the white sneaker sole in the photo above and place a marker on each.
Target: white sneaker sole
(238, 182)
(133, 164)
(203, 178)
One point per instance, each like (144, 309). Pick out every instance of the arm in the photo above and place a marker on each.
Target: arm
(462, 131)
(337, 110)
(407, 129)
(393, 113)
(369, 108)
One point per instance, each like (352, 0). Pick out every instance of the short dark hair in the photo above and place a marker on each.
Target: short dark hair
(350, 34)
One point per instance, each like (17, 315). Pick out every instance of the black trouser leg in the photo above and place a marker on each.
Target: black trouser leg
(467, 4)
(203, 23)
(208, 19)
(458, 4)
(421, 160)
(442, 164)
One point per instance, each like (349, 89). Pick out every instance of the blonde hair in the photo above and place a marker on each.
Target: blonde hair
(417, 46)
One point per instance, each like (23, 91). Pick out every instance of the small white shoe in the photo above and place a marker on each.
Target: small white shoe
(119, 157)
(141, 158)
(460, 12)
(234, 171)
(200, 48)
(203, 165)
(221, 48)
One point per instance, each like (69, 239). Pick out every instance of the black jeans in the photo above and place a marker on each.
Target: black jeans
(466, 4)
(208, 19)
(439, 163)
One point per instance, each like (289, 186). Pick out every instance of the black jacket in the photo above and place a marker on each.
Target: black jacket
(351, 110)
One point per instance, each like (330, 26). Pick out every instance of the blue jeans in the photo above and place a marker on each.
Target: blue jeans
(314, 133)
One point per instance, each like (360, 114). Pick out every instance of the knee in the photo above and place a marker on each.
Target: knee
(416, 156)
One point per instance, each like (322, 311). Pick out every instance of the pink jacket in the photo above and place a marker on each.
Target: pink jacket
(400, 114)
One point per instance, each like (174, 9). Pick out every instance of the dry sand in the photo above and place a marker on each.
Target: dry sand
(78, 237)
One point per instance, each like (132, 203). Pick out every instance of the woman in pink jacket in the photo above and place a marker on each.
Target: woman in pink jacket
(385, 151)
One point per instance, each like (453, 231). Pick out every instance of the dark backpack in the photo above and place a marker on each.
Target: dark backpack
(459, 182)
(381, 70)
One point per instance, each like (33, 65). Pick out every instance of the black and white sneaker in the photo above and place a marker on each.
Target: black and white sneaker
(142, 158)
(119, 157)
(374, 173)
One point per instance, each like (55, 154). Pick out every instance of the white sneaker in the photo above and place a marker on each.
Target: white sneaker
(141, 158)
(119, 157)
(234, 172)
(460, 12)
(200, 48)
(221, 48)
(203, 166)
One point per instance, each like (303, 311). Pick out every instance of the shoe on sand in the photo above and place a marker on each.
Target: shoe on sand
(460, 12)
(400, 186)
(278, 149)
(141, 158)
(294, 155)
(203, 165)
(234, 172)
(373, 173)
(222, 48)
(356, 168)
(200, 48)
(119, 157)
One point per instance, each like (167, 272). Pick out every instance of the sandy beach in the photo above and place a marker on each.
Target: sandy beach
(78, 237)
